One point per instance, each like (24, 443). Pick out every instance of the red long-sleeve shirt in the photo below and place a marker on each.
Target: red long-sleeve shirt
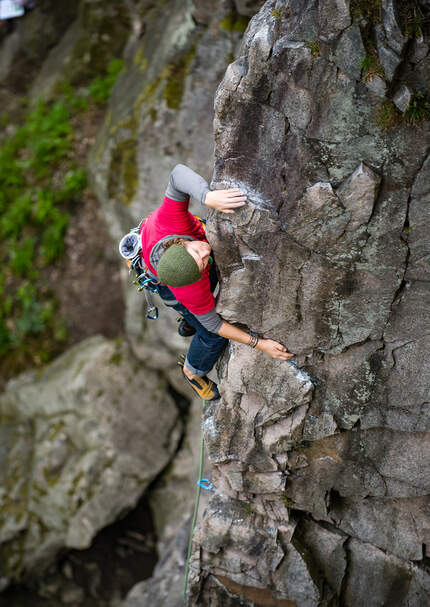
(174, 219)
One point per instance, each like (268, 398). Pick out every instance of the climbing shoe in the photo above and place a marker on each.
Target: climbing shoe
(205, 387)
(184, 328)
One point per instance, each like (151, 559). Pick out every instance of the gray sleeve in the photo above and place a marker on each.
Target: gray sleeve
(184, 182)
(211, 321)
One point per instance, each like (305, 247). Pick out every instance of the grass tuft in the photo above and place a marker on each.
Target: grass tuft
(371, 67)
(418, 109)
(387, 115)
(313, 46)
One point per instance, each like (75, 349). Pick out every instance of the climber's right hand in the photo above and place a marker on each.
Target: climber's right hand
(225, 200)
(273, 349)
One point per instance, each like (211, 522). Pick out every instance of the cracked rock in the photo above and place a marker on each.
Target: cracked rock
(390, 41)
(402, 98)
(377, 85)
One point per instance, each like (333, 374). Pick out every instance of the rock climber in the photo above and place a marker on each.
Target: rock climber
(176, 253)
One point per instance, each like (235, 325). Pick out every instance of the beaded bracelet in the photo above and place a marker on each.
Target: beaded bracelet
(253, 339)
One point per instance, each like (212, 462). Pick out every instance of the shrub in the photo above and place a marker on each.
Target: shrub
(101, 87)
(22, 257)
(34, 217)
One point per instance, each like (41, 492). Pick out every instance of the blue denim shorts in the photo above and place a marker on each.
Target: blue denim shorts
(206, 347)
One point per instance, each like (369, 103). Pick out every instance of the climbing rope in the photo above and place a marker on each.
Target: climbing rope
(196, 509)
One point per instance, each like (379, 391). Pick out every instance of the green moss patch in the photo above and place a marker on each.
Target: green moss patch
(387, 115)
(103, 33)
(40, 186)
(123, 176)
(313, 47)
(233, 22)
(175, 75)
(100, 88)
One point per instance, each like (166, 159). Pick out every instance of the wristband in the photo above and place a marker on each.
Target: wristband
(253, 339)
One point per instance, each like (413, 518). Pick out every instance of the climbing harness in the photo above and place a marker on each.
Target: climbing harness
(130, 248)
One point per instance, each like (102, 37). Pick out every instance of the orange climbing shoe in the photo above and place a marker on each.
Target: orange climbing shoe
(205, 387)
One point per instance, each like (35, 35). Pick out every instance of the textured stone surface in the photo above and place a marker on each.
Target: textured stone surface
(90, 42)
(321, 465)
(161, 109)
(402, 97)
(165, 587)
(172, 496)
(80, 442)
(24, 50)
(160, 113)
(389, 39)
(326, 456)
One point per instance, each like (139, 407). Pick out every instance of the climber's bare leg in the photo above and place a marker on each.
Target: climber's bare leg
(188, 372)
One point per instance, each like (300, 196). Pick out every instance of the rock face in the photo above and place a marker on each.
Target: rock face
(161, 109)
(80, 443)
(321, 464)
(23, 51)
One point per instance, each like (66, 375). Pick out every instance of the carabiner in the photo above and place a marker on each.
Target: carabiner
(206, 484)
(152, 313)
(150, 285)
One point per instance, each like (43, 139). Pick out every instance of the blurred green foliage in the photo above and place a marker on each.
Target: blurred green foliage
(101, 87)
(40, 183)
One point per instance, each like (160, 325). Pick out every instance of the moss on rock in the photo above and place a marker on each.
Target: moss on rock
(176, 74)
(233, 22)
(104, 29)
(370, 10)
(123, 175)
(387, 115)
(139, 60)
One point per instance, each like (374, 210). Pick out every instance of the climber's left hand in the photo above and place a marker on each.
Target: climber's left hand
(225, 200)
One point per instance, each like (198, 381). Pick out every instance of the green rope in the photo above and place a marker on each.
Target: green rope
(196, 509)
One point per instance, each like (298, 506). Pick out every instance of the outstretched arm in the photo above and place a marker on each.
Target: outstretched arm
(269, 346)
(184, 182)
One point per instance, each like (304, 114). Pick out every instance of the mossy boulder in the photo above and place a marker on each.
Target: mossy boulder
(80, 442)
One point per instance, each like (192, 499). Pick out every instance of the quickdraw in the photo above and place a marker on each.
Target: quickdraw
(130, 248)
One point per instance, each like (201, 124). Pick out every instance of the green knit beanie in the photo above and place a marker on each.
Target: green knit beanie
(177, 267)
